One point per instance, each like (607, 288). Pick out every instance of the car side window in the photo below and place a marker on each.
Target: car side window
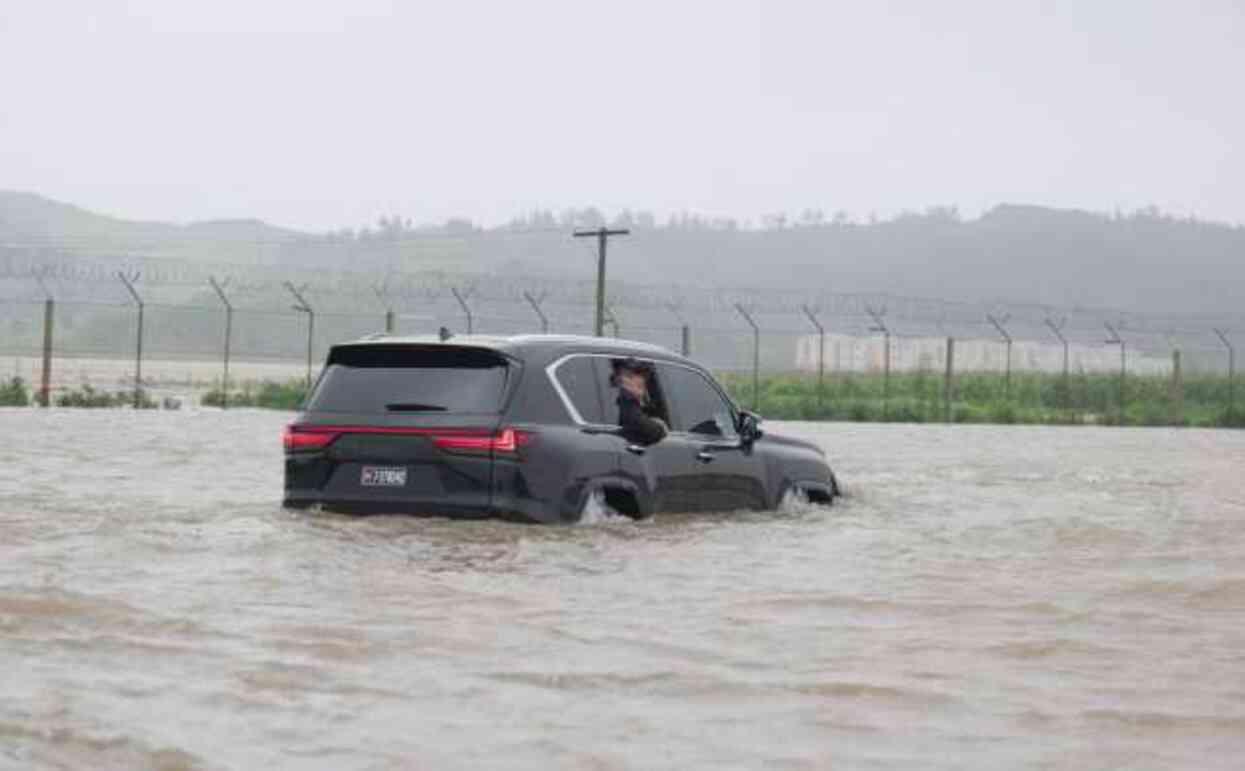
(578, 378)
(656, 406)
(697, 405)
(607, 388)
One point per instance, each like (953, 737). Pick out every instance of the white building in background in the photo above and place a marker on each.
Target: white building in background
(845, 353)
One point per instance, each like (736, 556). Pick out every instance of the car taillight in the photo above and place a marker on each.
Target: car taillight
(298, 438)
(508, 441)
(470, 441)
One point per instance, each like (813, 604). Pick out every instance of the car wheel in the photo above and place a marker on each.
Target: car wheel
(608, 504)
(797, 499)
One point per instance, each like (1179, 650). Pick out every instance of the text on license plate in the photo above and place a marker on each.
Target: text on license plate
(383, 476)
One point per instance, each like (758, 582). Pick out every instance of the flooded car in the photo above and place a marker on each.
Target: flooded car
(528, 428)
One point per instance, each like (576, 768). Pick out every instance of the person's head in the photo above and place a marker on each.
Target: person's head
(632, 375)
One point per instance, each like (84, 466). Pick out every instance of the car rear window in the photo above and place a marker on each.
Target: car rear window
(411, 379)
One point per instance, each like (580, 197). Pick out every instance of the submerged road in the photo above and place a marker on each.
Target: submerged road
(986, 597)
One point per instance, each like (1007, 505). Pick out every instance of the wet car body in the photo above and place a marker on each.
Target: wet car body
(526, 428)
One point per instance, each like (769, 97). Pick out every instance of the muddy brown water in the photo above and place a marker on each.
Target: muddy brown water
(986, 597)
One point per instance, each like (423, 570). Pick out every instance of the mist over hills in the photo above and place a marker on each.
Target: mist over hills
(1141, 261)
(31, 221)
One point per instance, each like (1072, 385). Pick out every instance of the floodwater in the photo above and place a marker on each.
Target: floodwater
(985, 598)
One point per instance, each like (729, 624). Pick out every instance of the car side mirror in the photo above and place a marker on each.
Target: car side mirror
(750, 426)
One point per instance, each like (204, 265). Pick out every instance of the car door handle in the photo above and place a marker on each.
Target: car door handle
(704, 456)
(635, 449)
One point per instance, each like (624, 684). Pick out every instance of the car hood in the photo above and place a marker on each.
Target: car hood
(786, 441)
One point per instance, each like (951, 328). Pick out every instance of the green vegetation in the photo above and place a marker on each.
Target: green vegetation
(86, 396)
(275, 396)
(14, 393)
(911, 397)
(917, 397)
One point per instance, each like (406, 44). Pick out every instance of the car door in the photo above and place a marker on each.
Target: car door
(667, 469)
(728, 475)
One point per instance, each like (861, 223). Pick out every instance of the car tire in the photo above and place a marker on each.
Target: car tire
(796, 498)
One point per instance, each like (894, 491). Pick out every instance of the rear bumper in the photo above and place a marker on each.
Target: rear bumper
(453, 489)
(293, 500)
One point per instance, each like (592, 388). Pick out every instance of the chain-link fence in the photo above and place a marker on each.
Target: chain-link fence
(803, 354)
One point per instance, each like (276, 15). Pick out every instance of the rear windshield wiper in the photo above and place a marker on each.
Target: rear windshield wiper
(414, 407)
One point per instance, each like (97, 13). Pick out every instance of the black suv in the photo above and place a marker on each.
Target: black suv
(526, 428)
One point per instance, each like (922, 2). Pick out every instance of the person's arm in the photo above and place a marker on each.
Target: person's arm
(635, 424)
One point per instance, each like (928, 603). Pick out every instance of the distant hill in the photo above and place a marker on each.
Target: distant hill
(1142, 261)
(31, 220)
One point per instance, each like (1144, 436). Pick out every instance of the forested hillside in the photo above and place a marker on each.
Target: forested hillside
(1142, 261)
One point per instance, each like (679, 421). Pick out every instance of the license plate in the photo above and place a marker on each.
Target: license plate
(383, 476)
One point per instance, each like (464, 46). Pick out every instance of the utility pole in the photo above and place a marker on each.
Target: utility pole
(303, 306)
(220, 292)
(602, 235)
(998, 323)
(821, 354)
(138, 355)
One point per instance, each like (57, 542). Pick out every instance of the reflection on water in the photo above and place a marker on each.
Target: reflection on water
(984, 597)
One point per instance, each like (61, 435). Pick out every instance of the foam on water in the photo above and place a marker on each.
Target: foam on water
(598, 512)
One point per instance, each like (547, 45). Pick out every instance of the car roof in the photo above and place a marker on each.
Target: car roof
(530, 346)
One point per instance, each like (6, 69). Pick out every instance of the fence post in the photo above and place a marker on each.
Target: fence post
(224, 383)
(138, 353)
(462, 303)
(1115, 339)
(947, 394)
(45, 385)
(821, 356)
(1007, 340)
(1057, 329)
(382, 293)
(1177, 388)
(302, 306)
(49, 317)
(685, 341)
(880, 326)
(1231, 375)
(612, 319)
(535, 303)
(756, 356)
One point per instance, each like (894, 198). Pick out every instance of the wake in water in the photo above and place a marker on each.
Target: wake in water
(598, 512)
(795, 501)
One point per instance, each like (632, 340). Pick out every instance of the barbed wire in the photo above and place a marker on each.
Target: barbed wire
(29, 276)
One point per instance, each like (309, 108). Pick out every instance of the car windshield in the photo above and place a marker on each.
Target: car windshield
(411, 379)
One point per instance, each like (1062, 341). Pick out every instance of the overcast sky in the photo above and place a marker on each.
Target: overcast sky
(327, 114)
